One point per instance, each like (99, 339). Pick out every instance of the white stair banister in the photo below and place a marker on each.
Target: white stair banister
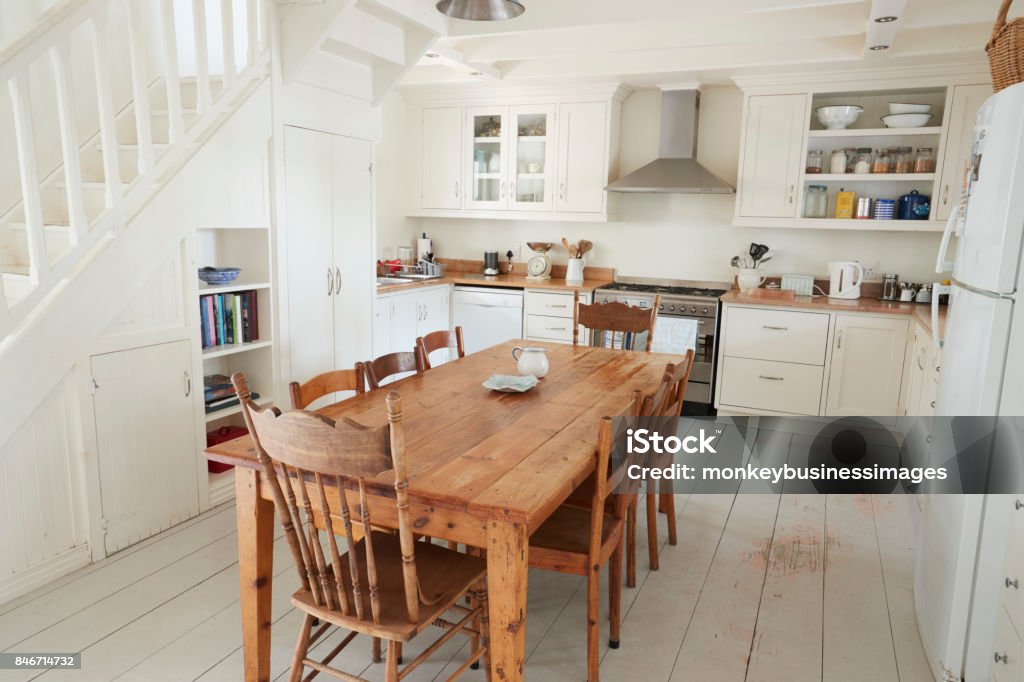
(60, 55)
(105, 98)
(39, 263)
(227, 24)
(203, 96)
(171, 74)
(253, 31)
(140, 86)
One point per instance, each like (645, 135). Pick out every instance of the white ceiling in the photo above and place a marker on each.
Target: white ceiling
(648, 42)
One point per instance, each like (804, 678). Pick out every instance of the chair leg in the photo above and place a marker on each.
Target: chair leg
(391, 667)
(474, 640)
(593, 623)
(631, 544)
(485, 630)
(376, 650)
(652, 526)
(301, 649)
(615, 596)
(398, 648)
(668, 501)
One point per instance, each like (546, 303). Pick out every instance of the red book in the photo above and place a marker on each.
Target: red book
(211, 335)
(254, 322)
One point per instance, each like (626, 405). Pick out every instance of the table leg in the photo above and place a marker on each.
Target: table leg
(256, 570)
(507, 547)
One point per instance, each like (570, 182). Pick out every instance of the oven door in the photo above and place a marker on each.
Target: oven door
(676, 335)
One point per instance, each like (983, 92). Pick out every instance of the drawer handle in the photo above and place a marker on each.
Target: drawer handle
(762, 376)
(777, 329)
(556, 329)
(1018, 505)
(555, 305)
(1015, 584)
(928, 438)
(933, 403)
(1001, 658)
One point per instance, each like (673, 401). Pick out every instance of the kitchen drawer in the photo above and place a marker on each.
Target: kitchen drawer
(548, 327)
(1007, 651)
(779, 335)
(550, 304)
(1013, 582)
(767, 385)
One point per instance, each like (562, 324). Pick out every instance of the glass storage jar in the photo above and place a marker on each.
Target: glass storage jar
(816, 201)
(904, 160)
(837, 162)
(924, 161)
(880, 161)
(814, 159)
(862, 163)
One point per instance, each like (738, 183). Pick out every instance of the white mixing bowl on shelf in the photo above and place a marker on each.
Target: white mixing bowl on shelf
(838, 117)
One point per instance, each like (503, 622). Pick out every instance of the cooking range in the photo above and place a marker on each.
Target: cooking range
(680, 300)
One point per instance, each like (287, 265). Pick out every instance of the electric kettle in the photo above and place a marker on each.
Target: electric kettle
(844, 279)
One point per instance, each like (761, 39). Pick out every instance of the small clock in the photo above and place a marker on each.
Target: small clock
(539, 265)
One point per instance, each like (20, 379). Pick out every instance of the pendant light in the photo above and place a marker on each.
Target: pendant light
(481, 10)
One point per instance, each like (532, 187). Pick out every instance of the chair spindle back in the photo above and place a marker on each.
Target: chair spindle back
(614, 325)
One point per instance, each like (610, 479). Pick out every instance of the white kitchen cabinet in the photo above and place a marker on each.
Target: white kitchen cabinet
(487, 169)
(145, 420)
(582, 153)
(966, 101)
(441, 158)
(866, 370)
(548, 315)
(329, 229)
(917, 370)
(401, 317)
(772, 153)
(531, 168)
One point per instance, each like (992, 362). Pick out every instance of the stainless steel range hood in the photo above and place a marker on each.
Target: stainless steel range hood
(676, 169)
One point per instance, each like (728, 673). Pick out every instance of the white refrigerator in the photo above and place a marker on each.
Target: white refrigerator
(958, 581)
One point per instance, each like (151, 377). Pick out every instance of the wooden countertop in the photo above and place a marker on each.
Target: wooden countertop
(504, 281)
(921, 312)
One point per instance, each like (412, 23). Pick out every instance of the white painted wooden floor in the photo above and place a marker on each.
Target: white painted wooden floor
(760, 587)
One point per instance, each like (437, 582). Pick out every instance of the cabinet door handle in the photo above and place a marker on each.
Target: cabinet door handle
(456, 188)
(792, 191)
(945, 194)
(330, 281)
(1015, 584)
(933, 404)
(778, 329)
(768, 378)
(337, 280)
(1018, 505)
(1001, 658)
(502, 195)
(512, 189)
(188, 388)
(920, 360)
(839, 339)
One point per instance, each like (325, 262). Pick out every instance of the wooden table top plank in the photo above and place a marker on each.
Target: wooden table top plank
(502, 455)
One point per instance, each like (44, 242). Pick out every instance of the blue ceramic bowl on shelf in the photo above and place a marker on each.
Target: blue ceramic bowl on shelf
(219, 275)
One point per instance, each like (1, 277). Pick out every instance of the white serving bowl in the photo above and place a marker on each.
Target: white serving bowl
(901, 108)
(906, 120)
(838, 117)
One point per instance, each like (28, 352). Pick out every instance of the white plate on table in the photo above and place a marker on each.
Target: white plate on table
(506, 383)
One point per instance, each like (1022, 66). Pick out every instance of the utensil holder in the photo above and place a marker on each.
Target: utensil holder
(574, 271)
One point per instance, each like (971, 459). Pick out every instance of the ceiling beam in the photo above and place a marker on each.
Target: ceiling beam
(455, 60)
(883, 24)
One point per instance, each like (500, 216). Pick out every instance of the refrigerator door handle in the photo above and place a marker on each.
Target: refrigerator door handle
(941, 264)
(937, 290)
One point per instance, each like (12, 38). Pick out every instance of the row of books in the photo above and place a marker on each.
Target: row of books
(228, 318)
(219, 393)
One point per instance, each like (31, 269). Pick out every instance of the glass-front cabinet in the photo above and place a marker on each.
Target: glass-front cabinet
(532, 159)
(511, 164)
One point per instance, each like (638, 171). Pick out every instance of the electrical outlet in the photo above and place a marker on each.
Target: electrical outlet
(870, 271)
(517, 252)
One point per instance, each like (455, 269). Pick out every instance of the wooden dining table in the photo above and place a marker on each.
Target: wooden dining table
(485, 469)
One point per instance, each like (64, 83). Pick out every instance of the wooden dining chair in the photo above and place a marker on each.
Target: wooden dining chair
(329, 382)
(665, 402)
(384, 585)
(579, 541)
(391, 364)
(439, 340)
(613, 325)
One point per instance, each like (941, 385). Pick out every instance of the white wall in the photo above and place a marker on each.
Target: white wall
(391, 159)
(677, 236)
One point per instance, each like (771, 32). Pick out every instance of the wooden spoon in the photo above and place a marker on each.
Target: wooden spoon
(565, 243)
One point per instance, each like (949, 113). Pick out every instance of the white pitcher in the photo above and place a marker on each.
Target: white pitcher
(532, 360)
(749, 278)
(574, 271)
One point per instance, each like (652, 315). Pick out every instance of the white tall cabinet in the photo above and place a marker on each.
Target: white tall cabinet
(771, 157)
(329, 233)
(966, 101)
(441, 158)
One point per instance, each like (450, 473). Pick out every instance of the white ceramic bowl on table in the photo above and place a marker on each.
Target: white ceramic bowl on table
(904, 108)
(838, 117)
(906, 120)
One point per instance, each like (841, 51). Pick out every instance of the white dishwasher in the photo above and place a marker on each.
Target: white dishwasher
(487, 316)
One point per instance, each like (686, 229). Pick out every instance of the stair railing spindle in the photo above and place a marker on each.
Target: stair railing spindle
(60, 56)
(203, 96)
(39, 264)
(171, 72)
(140, 86)
(105, 98)
(253, 31)
(227, 25)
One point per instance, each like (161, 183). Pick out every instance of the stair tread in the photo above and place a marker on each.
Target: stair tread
(54, 227)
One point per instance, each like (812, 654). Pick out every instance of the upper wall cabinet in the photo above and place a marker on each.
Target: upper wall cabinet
(545, 156)
(781, 131)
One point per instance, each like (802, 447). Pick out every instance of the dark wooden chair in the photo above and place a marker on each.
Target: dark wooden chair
(435, 341)
(328, 382)
(613, 325)
(385, 585)
(580, 540)
(391, 364)
(667, 402)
